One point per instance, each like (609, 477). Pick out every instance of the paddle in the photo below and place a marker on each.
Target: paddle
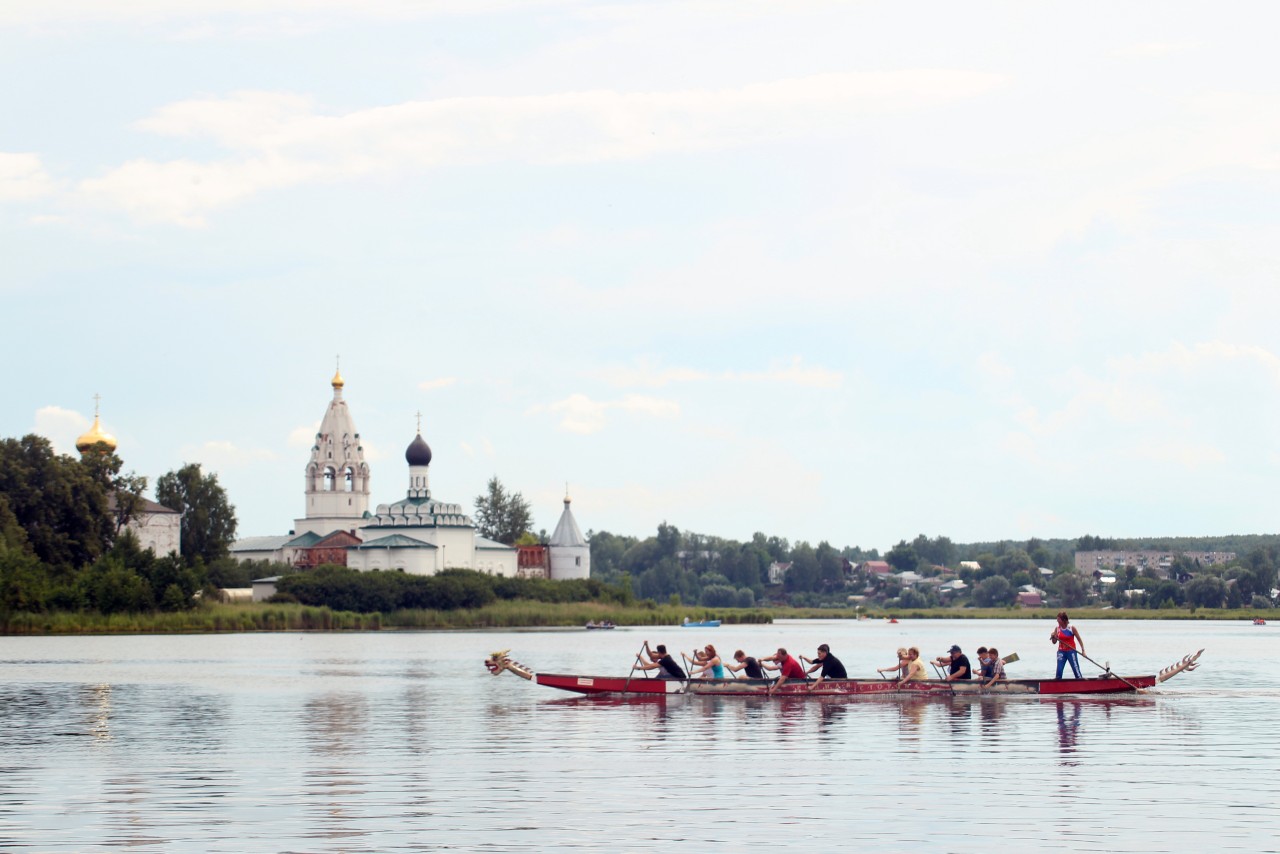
(1107, 670)
(634, 665)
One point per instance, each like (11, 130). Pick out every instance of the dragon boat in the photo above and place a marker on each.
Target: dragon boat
(641, 685)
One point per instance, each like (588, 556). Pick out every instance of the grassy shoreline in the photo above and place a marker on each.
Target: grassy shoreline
(264, 617)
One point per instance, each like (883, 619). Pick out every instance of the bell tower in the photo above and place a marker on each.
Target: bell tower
(337, 476)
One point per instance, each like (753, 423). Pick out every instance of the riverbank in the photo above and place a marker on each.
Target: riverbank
(1077, 614)
(266, 617)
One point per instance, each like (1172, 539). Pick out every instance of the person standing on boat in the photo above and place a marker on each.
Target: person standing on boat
(1070, 645)
(659, 659)
(915, 667)
(789, 668)
(747, 663)
(831, 667)
(957, 663)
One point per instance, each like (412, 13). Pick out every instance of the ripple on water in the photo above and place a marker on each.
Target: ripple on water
(385, 742)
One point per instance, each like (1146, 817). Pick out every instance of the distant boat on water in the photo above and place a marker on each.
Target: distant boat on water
(601, 625)
(700, 624)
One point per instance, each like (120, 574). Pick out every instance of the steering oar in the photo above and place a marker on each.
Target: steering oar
(1107, 671)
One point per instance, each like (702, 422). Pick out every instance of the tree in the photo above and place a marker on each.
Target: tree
(1073, 591)
(830, 566)
(995, 592)
(1205, 591)
(803, 575)
(60, 507)
(123, 491)
(208, 519)
(501, 516)
(902, 557)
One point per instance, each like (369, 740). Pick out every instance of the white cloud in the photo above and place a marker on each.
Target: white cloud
(441, 382)
(221, 454)
(61, 427)
(791, 372)
(580, 414)
(304, 436)
(22, 177)
(1185, 455)
(267, 16)
(1149, 50)
(282, 139)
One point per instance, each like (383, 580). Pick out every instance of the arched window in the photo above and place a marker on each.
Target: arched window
(348, 480)
(328, 479)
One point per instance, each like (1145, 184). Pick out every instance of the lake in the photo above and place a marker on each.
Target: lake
(401, 741)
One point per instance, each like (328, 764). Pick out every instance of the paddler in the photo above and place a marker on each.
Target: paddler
(787, 665)
(1069, 642)
(915, 667)
(831, 667)
(660, 659)
(957, 664)
(747, 663)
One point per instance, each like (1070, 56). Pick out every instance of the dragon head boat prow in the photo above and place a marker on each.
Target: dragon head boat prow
(1187, 663)
(500, 661)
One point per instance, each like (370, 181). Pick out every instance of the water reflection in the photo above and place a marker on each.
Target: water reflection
(100, 712)
(363, 743)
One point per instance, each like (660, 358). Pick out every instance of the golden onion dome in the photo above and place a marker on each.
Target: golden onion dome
(95, 436)
(337, 381)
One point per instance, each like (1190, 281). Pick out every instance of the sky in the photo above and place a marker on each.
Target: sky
(842, 271)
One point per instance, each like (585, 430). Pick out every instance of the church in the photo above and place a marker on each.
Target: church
(155, 526)
(417, 534)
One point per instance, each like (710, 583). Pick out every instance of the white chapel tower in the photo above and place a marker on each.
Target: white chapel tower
(570, 551)
(337, 479)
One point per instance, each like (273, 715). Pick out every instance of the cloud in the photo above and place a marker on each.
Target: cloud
(266, 16)
(221, 454)
(1149, 50)
(22, 177)
(304, 436)
(283, 139)
(432, 385)
(790, 372)
(61, 427)
(1185, 455)
(580, 414)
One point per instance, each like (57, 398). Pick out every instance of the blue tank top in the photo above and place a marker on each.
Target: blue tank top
(717, 671)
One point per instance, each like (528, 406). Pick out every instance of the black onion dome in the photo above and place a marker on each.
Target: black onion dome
(418, 453)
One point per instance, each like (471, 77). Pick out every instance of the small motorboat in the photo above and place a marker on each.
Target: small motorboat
(700, 624)
(1258, 621)
(602, 625)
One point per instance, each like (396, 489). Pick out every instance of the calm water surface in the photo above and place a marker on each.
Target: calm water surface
(402, 741)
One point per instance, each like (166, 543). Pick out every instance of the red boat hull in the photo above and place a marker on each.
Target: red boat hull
(641, 685)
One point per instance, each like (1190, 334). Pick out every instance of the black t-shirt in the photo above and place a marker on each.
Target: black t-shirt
(832, 668)
(673, 670)
(754, 670)
(961, 662)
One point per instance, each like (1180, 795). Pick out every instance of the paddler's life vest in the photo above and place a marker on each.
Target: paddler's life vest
(1066, 640)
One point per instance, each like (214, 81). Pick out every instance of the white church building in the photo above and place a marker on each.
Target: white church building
(417, 534)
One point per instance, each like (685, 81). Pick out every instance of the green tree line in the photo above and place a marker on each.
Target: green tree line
(65, 542)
